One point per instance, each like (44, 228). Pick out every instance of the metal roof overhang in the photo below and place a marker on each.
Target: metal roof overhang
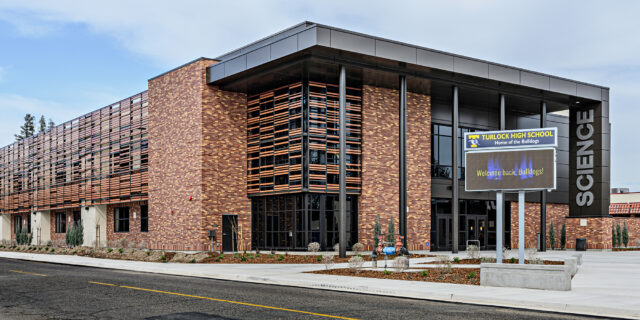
(377, 58)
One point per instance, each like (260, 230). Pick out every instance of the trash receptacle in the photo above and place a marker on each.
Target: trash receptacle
(581, 244)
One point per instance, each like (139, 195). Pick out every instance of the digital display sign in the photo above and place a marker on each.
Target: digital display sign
(501, 170)
(527, 138)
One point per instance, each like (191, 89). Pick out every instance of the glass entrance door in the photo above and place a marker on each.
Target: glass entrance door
(444, 233)
(477, 230)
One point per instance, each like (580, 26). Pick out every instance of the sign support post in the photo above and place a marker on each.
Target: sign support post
(521, 227)
(499, 226)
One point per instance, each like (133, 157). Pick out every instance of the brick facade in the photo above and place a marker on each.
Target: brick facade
(555, 212)
(135, 237)
(380, 164)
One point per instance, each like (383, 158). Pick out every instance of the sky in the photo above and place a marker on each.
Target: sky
(62, 59)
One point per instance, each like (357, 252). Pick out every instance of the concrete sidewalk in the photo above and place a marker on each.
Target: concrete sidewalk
(605, 285)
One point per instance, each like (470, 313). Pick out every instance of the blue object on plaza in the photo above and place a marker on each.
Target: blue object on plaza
(389, 251)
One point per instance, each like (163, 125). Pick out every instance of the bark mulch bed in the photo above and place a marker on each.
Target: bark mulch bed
(180, 257)
(625, 249)
(478, 261)
(283, 258)
(456, 275)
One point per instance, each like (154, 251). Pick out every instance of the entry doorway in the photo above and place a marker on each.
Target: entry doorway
(477, 230)
(230, 232)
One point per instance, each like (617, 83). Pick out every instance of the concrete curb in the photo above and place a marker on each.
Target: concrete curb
(323, 283)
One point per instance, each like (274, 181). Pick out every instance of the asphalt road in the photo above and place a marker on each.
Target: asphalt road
(33, 290)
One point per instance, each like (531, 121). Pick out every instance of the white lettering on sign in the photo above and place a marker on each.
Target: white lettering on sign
(584, 157)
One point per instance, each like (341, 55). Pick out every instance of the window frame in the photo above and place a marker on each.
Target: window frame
(119, 221)
(61, 222)
(144, 218)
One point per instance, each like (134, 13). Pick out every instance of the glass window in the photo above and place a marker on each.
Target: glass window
(61, 222)
(121, 219)
(17, 224)
(441, 151)
(144, 218)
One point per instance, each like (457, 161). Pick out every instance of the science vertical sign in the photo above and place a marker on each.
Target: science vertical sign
(589, 157)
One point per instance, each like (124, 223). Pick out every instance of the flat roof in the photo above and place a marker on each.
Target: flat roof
(310, 34)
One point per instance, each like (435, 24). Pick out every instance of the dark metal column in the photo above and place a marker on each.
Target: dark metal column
(543, 193)
(454, 173)
(500, 227)
(342, 226)
(402, 192)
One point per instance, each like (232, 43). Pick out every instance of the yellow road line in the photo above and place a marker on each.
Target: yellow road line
(31, 273)
(104, 284)
(229, 301)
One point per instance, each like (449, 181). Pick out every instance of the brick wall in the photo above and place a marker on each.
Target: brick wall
(380, 164)
(175, 155)
(224, 171)
(135, 237)
(633, 228)
(555, 212)
(68, 216)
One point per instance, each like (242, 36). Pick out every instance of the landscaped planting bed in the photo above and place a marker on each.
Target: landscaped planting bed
(454, 275)
(169, 256)
(513, 260)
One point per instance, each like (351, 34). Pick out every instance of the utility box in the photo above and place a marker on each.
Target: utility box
(581, 244)
(212, 234)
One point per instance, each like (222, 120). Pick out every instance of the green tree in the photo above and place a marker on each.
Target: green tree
(618, 235)
(51, 124)
(614, 238)
(27, 129)
(552, 235)
(625, 235)
(377, 231)
(43, 124)
(563, 235)
(391, 231)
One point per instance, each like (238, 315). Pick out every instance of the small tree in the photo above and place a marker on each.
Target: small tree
(625, 235)
(51, 124)
(377, 231)
(27, 129)
(613, 236)
(391, 231)
(552, 235)
(42, 124)
(618, 235)
(563, 235)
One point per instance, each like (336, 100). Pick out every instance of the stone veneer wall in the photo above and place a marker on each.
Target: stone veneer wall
(380, 165)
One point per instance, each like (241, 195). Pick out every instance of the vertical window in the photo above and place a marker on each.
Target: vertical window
(61, 222)
(441, 147)
(17, 224)
(144, 218)
(77, 217)
(121, 219)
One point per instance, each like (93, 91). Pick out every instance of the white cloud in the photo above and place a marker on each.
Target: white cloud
(13, 106)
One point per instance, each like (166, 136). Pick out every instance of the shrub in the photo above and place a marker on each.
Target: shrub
(443, 264)
(513, 260)
(243, 258)
(386, 272)
(401, 263)
(121, 250)
(148, 253)
(563, 235)
(192, 261)
(327, 259)
(377, 231)
(357, 247)
(52, 250)
(280, 257)
(22, 238)
(236, 255)
(613, 236)
(271, 255)
(313, 247)
(221, 256)
(163, 259)
(619, 235)
(473, 251)
(625, 235)
(456, 260)
(355, 263)
(319, 258)
(471, 275)
(425, 273)
(487, 260)
(109, 250)
(391, 231)
(552, 235)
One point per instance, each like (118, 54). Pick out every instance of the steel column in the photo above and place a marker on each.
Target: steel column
(454, 172)
(543, 193)
(500, 195)
(402, 192)
(342, 226)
